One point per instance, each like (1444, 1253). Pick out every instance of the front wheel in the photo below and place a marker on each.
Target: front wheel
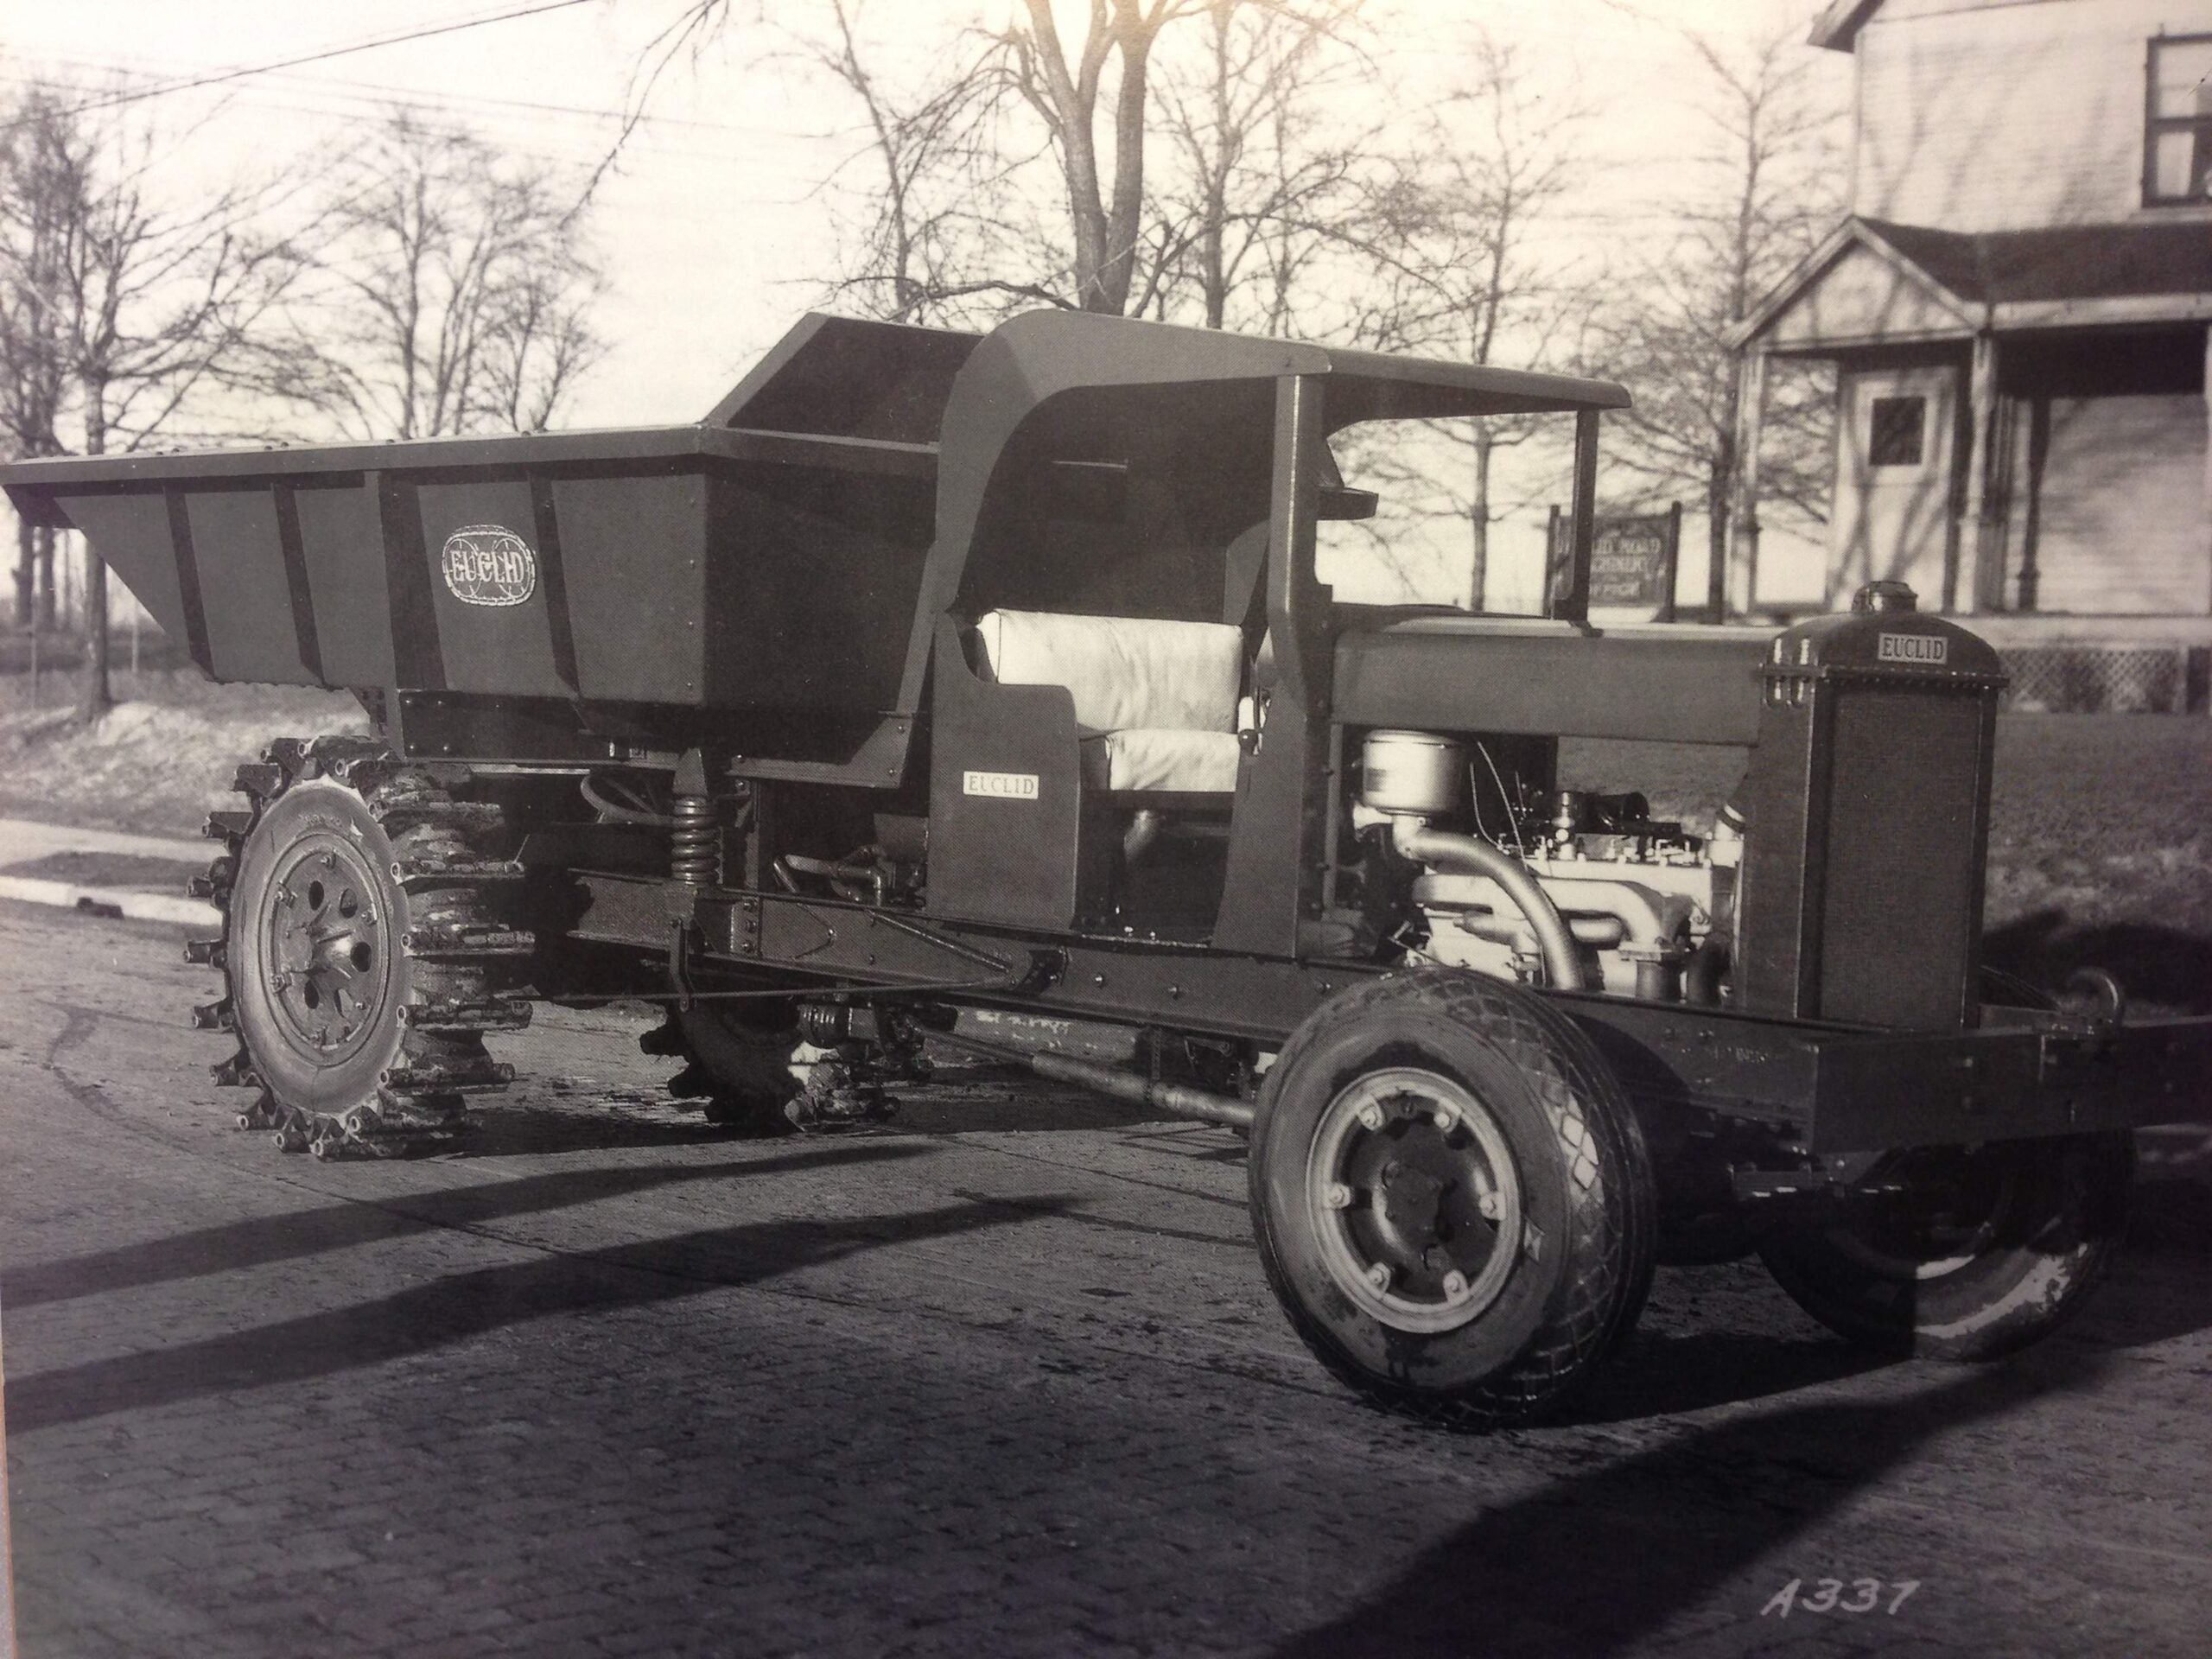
(1453, 1198)
(1990, 1248)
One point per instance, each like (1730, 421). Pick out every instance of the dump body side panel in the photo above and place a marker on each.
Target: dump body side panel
(822, 588)
(689, 569)
(341, 545)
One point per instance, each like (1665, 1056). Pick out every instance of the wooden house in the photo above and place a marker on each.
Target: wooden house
(2017, 308)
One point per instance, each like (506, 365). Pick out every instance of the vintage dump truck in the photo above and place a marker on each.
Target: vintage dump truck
(983, 691)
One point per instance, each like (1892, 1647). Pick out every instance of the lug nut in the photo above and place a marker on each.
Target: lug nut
(1379, 1275)
(1491, 1206)
(1455, 1286)
(1446, 1118)
(1338, 1196)
(1370, 1116)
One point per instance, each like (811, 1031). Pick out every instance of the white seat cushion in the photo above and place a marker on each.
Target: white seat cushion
(1163, 760)
(1124, 672)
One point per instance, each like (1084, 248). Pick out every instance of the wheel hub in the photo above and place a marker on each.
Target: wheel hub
(1414, 1198)
(1962, 1203)
(326, 940)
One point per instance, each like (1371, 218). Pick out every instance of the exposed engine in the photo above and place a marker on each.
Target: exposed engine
(1585, 890)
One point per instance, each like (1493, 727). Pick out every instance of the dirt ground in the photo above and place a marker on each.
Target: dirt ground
(1005, 1380)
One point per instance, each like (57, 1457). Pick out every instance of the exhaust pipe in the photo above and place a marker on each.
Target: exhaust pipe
(1442, 849)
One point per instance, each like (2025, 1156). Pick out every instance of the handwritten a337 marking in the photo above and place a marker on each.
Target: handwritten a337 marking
(1830, 1596)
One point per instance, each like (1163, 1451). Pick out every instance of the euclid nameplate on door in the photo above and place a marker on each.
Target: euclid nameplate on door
(1001, 785)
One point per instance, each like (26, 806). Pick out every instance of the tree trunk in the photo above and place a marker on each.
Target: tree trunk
(97, 698)
(1716, 536)
(26, 573)
(1125, 217)
(43, 623)
(1479, 518)
(1212, 249)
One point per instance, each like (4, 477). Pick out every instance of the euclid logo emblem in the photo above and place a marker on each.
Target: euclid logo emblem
(489, 564)
(1000, 785)
(1911, 648)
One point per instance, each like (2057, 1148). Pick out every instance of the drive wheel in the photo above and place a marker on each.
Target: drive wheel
(1453, 1198)
(1991, 1249)
(362, 959)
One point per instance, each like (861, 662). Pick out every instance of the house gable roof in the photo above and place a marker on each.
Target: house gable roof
(2063, 262)
(2001, 278)
(1837, 27)
(1853, 239)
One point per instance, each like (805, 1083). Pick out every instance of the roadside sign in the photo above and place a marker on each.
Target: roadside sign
(1633, 558)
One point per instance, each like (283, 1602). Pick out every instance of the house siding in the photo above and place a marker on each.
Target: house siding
(1986, 116)
(2120, 508)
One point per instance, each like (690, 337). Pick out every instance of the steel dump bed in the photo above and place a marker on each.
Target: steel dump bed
(656, 566)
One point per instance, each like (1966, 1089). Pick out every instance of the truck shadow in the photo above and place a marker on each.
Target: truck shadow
(1666, 1374)
(296, 1233)
(1595, 1564)
(504, 1126)
(2154, 1293)
(459, 1307)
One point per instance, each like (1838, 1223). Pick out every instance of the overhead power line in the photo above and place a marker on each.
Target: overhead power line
(214, 78)
(371, 92)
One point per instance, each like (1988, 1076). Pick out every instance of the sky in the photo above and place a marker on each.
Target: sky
(714, 230)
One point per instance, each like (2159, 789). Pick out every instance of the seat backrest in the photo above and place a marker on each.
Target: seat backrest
(1123, 671)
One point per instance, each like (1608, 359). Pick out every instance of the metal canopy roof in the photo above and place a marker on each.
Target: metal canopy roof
(1065, 349)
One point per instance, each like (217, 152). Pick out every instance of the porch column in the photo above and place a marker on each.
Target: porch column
(1738, 585)
(1980, 587)
(2207, 526)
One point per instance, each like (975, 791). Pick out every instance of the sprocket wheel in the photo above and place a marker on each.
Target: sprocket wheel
(362, 952)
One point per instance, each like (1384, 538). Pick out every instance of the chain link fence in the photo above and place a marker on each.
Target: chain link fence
(2108, 679)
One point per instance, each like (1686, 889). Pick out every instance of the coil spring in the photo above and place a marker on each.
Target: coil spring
(695, 845)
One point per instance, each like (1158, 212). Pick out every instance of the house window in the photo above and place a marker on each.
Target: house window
(2177, 140)
(1900, 426)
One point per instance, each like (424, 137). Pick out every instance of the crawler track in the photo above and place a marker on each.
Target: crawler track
(440, 912)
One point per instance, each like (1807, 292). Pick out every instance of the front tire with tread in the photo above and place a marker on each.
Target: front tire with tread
(1571, 1200)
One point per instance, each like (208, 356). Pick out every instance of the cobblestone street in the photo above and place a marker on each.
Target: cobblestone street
(1005, 1380)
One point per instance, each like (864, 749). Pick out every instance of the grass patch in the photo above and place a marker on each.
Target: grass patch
(2100, 844)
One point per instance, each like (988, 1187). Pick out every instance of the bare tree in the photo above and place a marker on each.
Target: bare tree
(929, 228)
(1460, 258)
(455, 290)
(33, 355)
(168, 307)
(1106, 211)
(1263, 187)
(964, 212)
(1770, 189)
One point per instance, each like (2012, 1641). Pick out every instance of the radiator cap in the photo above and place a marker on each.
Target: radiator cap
(1885, 596)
